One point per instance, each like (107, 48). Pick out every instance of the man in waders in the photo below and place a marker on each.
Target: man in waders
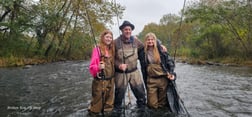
(126, 56)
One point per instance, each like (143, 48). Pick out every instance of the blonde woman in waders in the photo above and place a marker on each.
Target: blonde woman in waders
(154, 66)
(102, 69)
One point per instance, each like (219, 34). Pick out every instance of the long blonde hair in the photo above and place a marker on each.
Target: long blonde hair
(155, 49)
(103, 46)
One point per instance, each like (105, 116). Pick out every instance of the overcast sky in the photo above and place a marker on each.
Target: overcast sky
(143, 12)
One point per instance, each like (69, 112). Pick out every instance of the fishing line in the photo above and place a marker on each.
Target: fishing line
(179, 32)
(117, 17)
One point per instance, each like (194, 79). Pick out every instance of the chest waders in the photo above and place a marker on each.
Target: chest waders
(106, 74)
(129, 55)
(126, 55)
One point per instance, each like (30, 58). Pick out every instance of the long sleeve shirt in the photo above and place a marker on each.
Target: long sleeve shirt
(94, 62)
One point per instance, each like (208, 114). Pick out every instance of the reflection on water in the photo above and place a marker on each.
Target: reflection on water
(64, 89)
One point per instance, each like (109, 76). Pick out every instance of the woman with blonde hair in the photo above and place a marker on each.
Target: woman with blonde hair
(157, 69)
(102, 69)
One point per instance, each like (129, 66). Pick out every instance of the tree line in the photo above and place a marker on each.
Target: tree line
(60, 29)
(211, 29)
(52, 29)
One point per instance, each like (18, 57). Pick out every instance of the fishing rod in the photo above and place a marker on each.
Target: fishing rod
(179, 31)
(124, 74)
(124, 82)
(173, 82)
(91, 27)
(99, 52)
(117, 17)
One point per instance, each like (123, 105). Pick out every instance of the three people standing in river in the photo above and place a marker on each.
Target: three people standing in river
(126, 50)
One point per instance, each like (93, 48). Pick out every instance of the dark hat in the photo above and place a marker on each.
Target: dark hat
(127, 23)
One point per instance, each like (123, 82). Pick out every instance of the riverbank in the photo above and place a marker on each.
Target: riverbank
(216, 62)
(18, 62)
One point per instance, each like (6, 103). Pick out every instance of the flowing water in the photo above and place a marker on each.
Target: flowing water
(63, 89)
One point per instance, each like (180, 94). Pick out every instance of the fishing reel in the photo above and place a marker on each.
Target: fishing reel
(100, 75)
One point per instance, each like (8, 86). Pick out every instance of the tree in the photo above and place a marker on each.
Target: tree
(230, 16)
(53, 28)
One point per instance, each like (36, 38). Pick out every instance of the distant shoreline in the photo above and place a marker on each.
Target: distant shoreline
(214, 62)
(19, 62)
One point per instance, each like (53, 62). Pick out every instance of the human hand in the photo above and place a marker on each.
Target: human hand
(164, 49)
(123, 67)
(102, 65)
(170, 76)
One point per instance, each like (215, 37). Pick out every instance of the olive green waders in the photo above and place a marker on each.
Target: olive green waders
(156, 86)
(128, 55)
(106, 86)
(97, 88)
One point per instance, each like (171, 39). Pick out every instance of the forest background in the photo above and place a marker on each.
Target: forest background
(53, 30)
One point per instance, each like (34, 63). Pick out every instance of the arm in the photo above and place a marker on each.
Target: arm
(171, 66)
(170, 63)
(94, 62)
(141, 57)
(163, 48)
(167, 63)
(139, 44)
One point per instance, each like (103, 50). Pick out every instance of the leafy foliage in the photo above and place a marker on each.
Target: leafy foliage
(209, 30)
(53, 28)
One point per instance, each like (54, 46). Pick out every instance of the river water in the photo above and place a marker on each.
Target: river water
(63, 89)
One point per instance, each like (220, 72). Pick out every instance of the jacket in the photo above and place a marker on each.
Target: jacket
(167, 62)
(94, 62)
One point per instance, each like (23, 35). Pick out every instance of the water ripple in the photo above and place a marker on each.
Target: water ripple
(64, 89)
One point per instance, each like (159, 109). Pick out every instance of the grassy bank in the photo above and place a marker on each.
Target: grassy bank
(16, 62)
(222, 61)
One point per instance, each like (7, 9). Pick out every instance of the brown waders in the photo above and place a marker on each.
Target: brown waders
(156, 86)
(97, 88)
(107, 86)
(128, 55)
(136, 85)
